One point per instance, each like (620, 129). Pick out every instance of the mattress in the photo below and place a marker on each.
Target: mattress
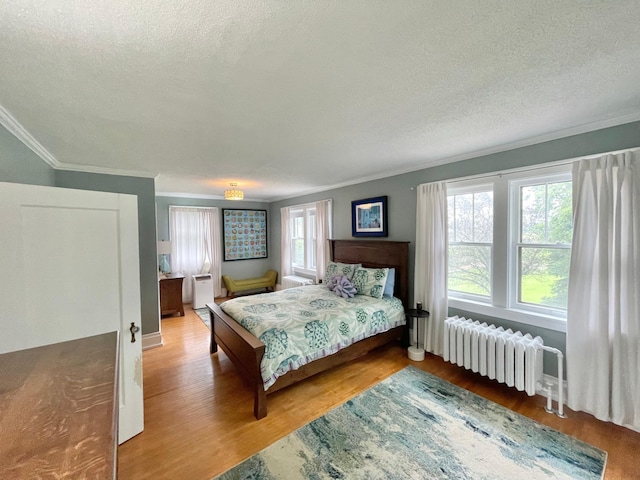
(302, 324)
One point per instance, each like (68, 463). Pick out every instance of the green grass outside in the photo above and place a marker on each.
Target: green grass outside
(466, 287)
(535, 288)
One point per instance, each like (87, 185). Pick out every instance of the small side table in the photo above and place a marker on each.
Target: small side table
(171, 294)
(414, 351)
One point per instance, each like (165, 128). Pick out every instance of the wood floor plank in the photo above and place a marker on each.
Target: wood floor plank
(199, 414)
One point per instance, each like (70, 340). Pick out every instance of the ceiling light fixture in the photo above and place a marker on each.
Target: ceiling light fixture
(233, 193)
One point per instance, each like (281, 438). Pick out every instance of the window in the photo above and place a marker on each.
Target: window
(303, 239)
(510, 245)
(196, 239)
(470, 242)
(542, 244)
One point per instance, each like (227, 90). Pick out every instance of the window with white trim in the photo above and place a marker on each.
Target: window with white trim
(470, 216)
(303, 238)
(510, 245)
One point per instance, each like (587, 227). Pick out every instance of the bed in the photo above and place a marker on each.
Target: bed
(246, 351)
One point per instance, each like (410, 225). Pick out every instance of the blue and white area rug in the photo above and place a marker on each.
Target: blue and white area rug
(203, 313)
(415, 425)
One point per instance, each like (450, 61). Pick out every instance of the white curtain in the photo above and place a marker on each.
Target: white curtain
(285, 242)
(323, 234)
(430, 277)
(603, 318)
(196, 246)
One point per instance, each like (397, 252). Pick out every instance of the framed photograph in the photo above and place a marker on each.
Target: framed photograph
(245, 234)
(369, 217)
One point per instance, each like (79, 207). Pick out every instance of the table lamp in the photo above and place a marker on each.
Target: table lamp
(164, 249)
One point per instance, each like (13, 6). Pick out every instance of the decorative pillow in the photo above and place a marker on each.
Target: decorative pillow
(370, 281)
(391, 283)
(341, 285)
(346, 269)
(333, 281)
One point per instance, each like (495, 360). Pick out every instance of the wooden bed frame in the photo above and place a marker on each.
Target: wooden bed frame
(246, 351)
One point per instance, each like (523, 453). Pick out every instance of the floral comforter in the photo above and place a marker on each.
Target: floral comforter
(302, 324)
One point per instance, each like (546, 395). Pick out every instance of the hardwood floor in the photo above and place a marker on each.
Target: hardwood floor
(199, 415)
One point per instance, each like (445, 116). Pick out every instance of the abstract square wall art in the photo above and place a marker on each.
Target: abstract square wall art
(245, 234)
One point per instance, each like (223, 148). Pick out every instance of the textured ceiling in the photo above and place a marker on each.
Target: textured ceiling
(289, 97)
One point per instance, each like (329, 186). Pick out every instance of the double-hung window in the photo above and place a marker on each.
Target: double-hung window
(470, 216)
(541, 244)
(303, 238)
(510, 245)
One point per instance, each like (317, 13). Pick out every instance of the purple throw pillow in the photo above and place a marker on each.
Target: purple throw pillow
(342, 286)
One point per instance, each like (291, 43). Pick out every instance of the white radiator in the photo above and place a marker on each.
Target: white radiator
(289, 281)
(509, 357)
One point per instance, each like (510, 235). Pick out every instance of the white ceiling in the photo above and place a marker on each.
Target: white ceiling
(289, 97)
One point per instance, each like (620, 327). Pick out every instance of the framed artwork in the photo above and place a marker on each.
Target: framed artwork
(369, 217)
(245, 234)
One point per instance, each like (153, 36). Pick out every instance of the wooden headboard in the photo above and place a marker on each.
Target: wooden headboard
(377, 254)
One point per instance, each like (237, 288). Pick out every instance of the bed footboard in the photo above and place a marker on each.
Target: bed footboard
(243, 349)
(246, 351)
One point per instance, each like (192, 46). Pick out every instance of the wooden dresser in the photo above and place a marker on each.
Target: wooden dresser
(171, 294)
(59, 410)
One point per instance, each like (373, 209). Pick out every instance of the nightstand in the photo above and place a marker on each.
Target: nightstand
(415, 351)
(171, 294)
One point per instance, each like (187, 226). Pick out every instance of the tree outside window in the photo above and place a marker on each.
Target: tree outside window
(470, 242)
(510, 245)
(544, 244)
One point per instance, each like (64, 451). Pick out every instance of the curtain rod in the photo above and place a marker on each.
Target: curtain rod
(500, 173)
(190, 206)
(307, 204)
(556, 163)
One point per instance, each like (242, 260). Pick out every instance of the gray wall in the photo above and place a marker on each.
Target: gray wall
(18, 164)
(144, 189)
(402, 200)
(237, 268)
(401, 210)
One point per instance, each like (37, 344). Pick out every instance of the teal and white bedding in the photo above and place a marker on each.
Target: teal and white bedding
(300, 325)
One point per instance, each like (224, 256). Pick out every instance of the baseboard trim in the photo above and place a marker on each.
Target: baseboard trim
(151, 340)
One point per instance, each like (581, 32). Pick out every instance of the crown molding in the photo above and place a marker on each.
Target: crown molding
(14, 127)
(204, 196)
(600, 124)
(104, 170)
(604, 122)
(9, 122)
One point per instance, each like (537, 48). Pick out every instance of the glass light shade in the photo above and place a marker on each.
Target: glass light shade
(233, 194)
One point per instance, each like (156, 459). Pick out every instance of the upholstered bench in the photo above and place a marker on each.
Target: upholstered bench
(268, 281)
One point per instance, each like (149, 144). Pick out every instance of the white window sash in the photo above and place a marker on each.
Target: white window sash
(502, 303)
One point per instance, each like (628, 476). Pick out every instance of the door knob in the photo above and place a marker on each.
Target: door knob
(133, 329)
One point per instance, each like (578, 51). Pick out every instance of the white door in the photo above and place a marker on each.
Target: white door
(70, 269)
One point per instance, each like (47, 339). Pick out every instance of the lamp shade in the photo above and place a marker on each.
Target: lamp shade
(233, 193)
(164, 247)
